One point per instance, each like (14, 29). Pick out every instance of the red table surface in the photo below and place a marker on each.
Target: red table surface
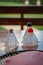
(26, 58)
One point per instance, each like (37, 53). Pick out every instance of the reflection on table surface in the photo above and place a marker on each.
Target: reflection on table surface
(19, 35)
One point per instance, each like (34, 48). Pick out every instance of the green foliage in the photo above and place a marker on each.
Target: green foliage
(16, 1)
(2, 28)
(19, 1)
(32, 2)
(38, 27)
(42, 2)
(11, 4)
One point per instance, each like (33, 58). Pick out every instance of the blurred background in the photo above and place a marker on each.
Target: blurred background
(19, 2)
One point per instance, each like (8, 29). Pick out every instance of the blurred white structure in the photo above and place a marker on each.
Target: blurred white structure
(38, 2)
(26, 2)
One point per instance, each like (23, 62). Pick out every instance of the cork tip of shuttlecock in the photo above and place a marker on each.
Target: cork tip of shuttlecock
(29, 24)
